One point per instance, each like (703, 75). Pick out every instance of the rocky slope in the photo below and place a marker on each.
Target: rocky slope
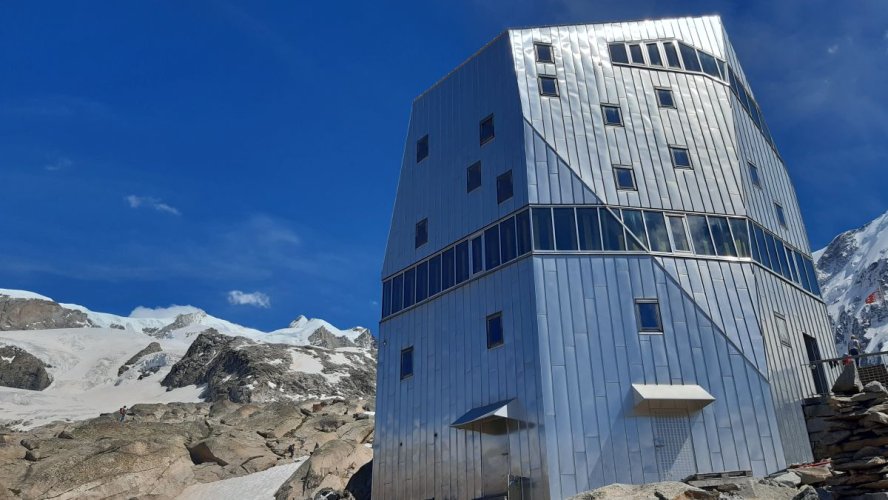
(162, 449)
(850, 269)
(100, 361)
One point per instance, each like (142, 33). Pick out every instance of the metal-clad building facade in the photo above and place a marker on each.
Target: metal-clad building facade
(550, 247)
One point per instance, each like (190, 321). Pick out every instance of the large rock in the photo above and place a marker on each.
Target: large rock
(233, 449)
(848, 382)
(329, 467)
(22, 370)
(150, 349)
(244, 371)
(671, 490)
(38, 314)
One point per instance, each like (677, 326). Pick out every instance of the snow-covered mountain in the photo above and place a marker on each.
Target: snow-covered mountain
(851, 269)
(99, 361)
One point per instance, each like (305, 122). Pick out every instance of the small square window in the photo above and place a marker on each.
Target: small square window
(754, 175)
(487, 130)
(422, 233)
(625, 178)
(781, 215)
(473, 177)
(612, 114)
(422, 148)
(495, 330)
(618, 53)
(544, 53)
(680, 157)
(648, 316)
(549, 86)
(504, 187)
(406, 362)
(636, 53)
(665, 98)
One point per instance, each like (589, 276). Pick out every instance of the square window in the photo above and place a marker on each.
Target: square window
(665, 98)
(548, 86)
(422, 233)
(680, 157)
(495, 330)
(473, 177)
(648, 315)
(422, 148)
(636, 54)
(486, 130)
(504, 187)
(618, 53)
(406, 362)
(544, 53)
(781, 215)
(625, 178)
(612, 114)
(754, 175)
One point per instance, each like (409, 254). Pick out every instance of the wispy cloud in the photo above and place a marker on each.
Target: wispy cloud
(152, 203)
(832, 49)
(255, 299)
(59, 164)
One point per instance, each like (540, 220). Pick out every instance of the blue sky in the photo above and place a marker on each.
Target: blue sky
(157, 153)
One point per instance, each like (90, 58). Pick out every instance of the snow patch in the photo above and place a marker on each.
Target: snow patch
(258, 485)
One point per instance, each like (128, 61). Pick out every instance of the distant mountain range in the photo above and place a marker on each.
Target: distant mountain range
(853, 274)
(95, 362)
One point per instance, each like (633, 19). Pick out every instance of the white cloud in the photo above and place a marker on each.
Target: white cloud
(162, 312)
(60, 164)
(152, 203)
(832, 49)
(257, 299)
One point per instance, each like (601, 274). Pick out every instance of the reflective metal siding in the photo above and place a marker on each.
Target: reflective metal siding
(591, 353)
(455, 372)
(450, 113)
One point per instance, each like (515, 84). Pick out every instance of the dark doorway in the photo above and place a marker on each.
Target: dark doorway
(817, 371)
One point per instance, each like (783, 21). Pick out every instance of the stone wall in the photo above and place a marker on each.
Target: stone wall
(850, 427)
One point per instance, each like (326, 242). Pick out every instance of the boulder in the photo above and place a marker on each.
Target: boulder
(813, 475)
(150, 349)
(235, 449)
(789, 478)
(330, 466)
(22, 370)
(848, 382)
(669, 489)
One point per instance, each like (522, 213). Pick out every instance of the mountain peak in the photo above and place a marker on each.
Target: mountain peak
(299, 322)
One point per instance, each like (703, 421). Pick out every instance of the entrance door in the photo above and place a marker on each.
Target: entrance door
(494, 459)
(817, 370)
(673, 446)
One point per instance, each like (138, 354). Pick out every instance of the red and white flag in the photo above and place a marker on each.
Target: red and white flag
(871, 298)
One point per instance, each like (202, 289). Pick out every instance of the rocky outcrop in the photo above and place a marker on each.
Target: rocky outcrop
(328, 469)
(851, 429)
(150, 349)
(162, 448)
(38, 314)
(243, 371)
(22, 370)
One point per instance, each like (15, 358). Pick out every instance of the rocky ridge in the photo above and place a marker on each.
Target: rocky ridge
(22, 370)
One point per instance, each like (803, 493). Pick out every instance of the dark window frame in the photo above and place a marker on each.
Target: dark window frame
(607, 122)
(424, 225)
(754, 174)
(648, 330)
(780, 212)
(660, 104)
(675, 149)
(641, 51)
(502, 330)
(481, 137)
(610, 52)
(407, 351)
(536, 52)
(548, 78)
(500, 196)
(425, 149)
(631, 170)
(470, 186)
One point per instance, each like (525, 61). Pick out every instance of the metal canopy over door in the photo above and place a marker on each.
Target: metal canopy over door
(673, 445)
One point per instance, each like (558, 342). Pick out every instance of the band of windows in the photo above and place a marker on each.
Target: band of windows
(596, 229)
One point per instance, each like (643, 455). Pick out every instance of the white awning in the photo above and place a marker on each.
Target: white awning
(473, 418)
(671, 397)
